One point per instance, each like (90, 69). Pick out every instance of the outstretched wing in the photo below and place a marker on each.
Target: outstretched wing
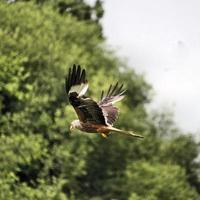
(114, 94)
(88, 110)
(76, 81)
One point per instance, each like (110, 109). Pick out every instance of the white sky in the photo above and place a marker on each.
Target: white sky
(162, 40)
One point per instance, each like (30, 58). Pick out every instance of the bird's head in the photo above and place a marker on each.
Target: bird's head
(74, 124)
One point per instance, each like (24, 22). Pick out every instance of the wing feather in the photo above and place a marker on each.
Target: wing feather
(76, 81)
(114, 94)
(88, 110)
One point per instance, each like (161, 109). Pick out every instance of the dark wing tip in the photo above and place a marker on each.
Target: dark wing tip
(121, 90)
(83, 76)
(102, 94)
(75, 76)
(115, 90)
(108, 93)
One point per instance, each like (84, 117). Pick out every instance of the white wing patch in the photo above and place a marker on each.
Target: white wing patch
(79, 89)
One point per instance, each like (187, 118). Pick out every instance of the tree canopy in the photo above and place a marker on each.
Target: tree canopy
(40, 40)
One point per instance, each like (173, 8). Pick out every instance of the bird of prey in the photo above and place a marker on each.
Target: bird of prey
(93, 117)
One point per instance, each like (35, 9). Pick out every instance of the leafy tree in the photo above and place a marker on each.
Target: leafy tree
(77, 8)
(183, 151)
(157, 181)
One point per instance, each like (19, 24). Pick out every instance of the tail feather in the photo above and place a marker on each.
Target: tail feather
(131, 133)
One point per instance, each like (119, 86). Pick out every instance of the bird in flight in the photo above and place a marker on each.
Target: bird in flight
(93, 117)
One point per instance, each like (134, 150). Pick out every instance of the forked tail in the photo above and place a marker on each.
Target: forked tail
(125, 132)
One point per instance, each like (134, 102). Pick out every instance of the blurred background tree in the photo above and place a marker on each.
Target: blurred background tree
(40, 40)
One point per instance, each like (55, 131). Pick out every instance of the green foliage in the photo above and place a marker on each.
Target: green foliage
(39, 158)
(159, 181)
(20, 150)
(183, 151)
(79, 9)
(12, 188)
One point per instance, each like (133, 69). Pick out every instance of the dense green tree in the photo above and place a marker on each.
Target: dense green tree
(157, 181)
(79, 9)
(39, 158)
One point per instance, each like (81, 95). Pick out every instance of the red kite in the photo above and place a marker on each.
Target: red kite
(93, 117)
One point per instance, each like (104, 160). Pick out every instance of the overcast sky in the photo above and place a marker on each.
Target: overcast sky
(161, 38)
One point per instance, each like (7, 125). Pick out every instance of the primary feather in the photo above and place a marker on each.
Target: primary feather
(114, 94)
(76, 81)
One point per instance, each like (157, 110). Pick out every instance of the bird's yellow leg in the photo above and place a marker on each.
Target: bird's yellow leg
(104, 135)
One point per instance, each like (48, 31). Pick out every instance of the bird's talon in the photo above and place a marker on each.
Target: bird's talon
(104, 135)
